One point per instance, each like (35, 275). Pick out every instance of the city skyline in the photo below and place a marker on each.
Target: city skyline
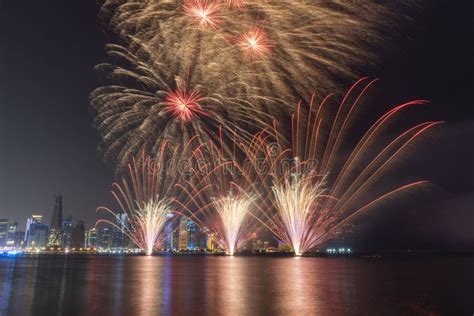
(58, 158)
(236, 157)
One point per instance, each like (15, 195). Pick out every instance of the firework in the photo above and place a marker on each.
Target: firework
(204, 13)
(254, 43)
(313, 186)
(217, 196)
(297, 47)
(295, 200)
(185, 68)
(149, 103)
(234, 3)
(145, 196)
(232, 212)
(184, 105)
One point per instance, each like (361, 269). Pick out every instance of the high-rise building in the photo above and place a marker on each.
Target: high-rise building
(92, 238)
(192, 241)
(11, 235)
(34, 219)
(211, 243)
(3, 232)
(67, 228)
(183, 234)
(55, 232)
(36, 235)
(105, 238)
(170, 243)
(202, 237)
(120, 239)
(77, 235)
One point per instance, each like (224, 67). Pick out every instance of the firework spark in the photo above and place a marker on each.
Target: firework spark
(315, 45)
(149, 103)
(145, 196)
(235, 3)
(205, 13)
(313, 186)
(293, 48)
(232, 212)
(216, 195)
(296, 199)
(254, 43)
(183, 104)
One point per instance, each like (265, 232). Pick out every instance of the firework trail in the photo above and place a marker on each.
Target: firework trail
(149, 103)
(146, 195)
(216, 195)
(314, 186)
(283, 49)
(233, 212)
(186, 67)
(295, 201)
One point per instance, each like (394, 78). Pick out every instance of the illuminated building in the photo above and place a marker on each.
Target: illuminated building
(120, 240)
(211, 242)
(192, 241)
(29, 222)
(202, 238)
(170, 241)
(105, 238)
(55, 237)
(92, 238)
(3, 232)
(183, 234)
(67, 227)
(11, 235)
(36, 235)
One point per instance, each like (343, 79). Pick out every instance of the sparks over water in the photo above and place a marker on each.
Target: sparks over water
(146, 195)
(314, 187)
(232, 212)
(295, 200)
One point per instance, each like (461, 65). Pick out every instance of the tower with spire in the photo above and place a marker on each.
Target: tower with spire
(55, 232)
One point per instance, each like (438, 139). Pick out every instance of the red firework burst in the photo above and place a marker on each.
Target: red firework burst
(204, 13)
(184, 104)
(255, 43)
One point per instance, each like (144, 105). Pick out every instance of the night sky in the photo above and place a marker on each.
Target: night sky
(47, 53)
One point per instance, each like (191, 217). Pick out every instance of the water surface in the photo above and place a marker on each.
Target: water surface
(95, 285)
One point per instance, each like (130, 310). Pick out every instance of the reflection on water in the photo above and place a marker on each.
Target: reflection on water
(233, 286)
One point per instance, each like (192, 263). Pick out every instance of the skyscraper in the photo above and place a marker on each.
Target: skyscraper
(92, 238)
(120, 239)
(11, 235)
(183, 234)
(170, 243)
(67, 228)
(192, 240)
(105, 238)
(77, 235)
(36, 232)
(55, 233)
(30, 222)
(3, 232)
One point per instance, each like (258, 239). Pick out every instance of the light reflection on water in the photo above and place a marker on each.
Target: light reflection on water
(232, 286)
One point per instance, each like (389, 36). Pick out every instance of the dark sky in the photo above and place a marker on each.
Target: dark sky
(47, 143)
